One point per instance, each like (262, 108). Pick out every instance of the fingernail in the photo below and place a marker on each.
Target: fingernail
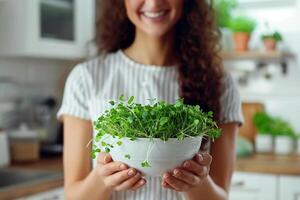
(106, 159)
(142, 182)
(131, 172)
(164, 184)
(200, 157)
(122, 166)
(166, 175)
(176, 172)
(186, 164)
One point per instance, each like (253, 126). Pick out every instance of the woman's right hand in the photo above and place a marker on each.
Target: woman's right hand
(117, 176)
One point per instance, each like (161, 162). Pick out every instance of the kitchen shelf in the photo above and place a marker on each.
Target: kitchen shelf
(261, 58)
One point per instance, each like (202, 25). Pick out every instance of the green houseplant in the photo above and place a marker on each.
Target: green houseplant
(223, 9)
(281, 132)
(271, 39)
(264, 140)
(242, 27)
(138, 134)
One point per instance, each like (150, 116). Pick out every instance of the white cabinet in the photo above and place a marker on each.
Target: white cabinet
(55, 194)
(249, 186)
(289, 188)
(46, 28)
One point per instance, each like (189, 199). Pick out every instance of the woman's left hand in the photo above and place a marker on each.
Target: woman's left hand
(191, 174)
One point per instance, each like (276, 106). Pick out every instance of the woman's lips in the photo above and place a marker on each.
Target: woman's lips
(155, 16)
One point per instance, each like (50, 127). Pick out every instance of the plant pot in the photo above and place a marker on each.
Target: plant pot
(162, 156)
(241, 41)
(263, 143)
(270, 44)
(283, 145)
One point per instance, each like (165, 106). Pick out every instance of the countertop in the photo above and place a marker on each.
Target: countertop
(270, 164)
(48, 164)
(257, 163)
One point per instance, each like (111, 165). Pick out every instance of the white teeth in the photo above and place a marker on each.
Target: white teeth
(154, 14)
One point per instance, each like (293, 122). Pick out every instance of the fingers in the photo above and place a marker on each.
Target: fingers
(104, 158)
(186, 177)
(139, 184)
(194, 167)
(175, 183)
(204, 159)
(116, 179)
(131, 182)
(111, 168)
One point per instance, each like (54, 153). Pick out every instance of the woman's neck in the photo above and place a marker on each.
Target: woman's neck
(152, 50)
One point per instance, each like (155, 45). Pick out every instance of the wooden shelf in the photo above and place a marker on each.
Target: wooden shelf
(256, 55)
(261, 58)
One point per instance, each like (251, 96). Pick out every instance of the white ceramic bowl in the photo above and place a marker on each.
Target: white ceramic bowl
(162, 156)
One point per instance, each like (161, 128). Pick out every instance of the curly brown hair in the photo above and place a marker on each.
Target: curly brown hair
(196, 46)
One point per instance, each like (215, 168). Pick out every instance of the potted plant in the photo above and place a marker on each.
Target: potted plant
(271, 39)
(298, 143)
(242, 27)
(264, 140)
(285, 136)
(273, 132)
(152, 138)
(223, 10)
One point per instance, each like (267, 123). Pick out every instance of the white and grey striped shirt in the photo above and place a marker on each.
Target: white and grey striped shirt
(91, 85)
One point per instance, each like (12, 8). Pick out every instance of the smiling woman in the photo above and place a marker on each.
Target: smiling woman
(163, 49)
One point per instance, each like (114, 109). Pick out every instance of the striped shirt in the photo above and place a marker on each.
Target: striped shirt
(91, 85)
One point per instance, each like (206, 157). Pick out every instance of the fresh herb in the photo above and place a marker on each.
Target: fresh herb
(275, 126)
(127, 119)
(127, 156)
(275, 36)
(242, 24)
(223, 9)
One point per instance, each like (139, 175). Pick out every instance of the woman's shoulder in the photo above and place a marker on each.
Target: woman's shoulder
(94, 67)
(98, 62)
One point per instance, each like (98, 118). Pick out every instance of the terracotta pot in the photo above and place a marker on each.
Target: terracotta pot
(241, 41)
(270, 44)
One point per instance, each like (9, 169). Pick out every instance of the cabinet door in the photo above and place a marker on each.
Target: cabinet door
(60, 28)
(289, 188)
(47, 28)
(251, 186)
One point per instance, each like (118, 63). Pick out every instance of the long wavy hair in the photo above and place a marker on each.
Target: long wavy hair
(196, 45)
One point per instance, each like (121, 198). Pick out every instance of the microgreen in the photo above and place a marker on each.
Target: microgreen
(127, 119)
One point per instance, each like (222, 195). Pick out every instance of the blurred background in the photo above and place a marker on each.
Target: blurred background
(41, 40)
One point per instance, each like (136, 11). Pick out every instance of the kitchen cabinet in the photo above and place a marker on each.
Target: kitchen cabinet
(250, 186)
(60, 29)
(289, 188)
(256, 186)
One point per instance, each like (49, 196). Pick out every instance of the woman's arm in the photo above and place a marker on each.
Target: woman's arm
(216, 186)
(79, 181)
(83, 182)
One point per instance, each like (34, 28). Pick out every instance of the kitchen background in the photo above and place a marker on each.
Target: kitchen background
(41, 40)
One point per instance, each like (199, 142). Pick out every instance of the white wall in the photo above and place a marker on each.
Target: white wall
(39, 76)
(281, 94)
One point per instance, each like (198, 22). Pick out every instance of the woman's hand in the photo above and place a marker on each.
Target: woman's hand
(117, 176)
(191, 174)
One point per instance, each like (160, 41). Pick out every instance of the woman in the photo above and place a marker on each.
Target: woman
(164, 49)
